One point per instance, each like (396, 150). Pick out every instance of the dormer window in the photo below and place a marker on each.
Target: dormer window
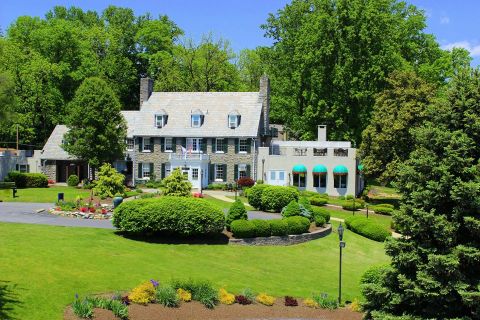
(233, 119)
(161, 119)
(197, 119)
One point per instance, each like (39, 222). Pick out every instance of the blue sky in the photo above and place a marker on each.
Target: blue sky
(454, 23)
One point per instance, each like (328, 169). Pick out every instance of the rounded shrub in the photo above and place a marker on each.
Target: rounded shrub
(318, 200)
(262, 228)
(245, 182)
(367, 228)
(237, 211)
(292, 209)
(180, 216)
(297, 225)
(305, 203)
(19, 178)
(243, 229)
(36, 180)
(319, 221)
(317, 211)
(383, 210)
(274, 198)
(278, 227)
(359, 204)
(254, 195)
(73, 180)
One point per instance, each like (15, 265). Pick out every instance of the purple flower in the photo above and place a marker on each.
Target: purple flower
(155, 283)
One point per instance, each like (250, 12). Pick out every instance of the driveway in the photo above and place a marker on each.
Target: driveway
(23, 212)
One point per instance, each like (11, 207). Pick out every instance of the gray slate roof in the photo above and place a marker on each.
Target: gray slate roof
(52, 149)
(179, 106)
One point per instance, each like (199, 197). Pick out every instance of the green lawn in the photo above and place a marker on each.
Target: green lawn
(50, 264)
(223, 204)
(47, 195)
(343, 214)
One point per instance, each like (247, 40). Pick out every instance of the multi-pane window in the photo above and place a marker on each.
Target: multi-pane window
(194, 144)
(219, 143)
(22, 168)
(243, 145)
(146, 170)
(196, 120)
(232, 121)
(194, 173)
(219, 174)
(160, 120)
(168, 170)
(130, 144)
(299, 180)
(320, 181)
(340, 181)
(242, 171)
(147, 146)
(168, 144)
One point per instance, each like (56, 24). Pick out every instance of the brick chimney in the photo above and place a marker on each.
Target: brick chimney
(265, 97)
(146, 89)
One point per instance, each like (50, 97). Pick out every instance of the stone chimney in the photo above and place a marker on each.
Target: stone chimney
(322, 132)
(265, 97)
(146, 89)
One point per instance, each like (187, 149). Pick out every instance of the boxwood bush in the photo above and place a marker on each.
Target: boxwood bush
(278, 227)
(73, 180)
(318, 200)
(262, 228)
(274, 198)
(297, 225)
(169, 216)
(367, 228)
(350, 205)
(383, 210)
(319, 221)
(317, 211)
(292, 209)
(27, 180)
(254, 195)
(237, 211)
(243, 229)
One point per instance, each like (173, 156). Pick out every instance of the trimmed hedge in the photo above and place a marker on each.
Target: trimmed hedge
(367, 228)
(180, 216)
(237, 211)
(27, 180)
(317, 211)
(262, 228)
(274, 198)
(243, 229)
(383, 210)
(297, 225)
(359, 204)
(318, 201)
(319, 221)
(73, 180)
(292, 209)
(254, 195)
(278, 227)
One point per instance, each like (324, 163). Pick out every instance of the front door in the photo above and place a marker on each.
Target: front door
(277, 178)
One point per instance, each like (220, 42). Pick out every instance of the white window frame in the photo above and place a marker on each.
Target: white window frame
(217, 149)
(168, 170)
(149, 149)
(195, 174)
(244, 145)
(160, 121)
(195, 118)
(130, 144)
(168, 145)
(146, 170)
(194, 145)
(232, 121)
(22, 168)
(242, 171)
(219, 169)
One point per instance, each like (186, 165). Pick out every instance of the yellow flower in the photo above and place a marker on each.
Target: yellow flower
(225, 297)
(265, 299)
(184, 295)
(143, 294)
(310, 303)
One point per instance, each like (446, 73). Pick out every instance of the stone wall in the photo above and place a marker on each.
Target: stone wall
(50, 169)
(283, 240)
(157, 157)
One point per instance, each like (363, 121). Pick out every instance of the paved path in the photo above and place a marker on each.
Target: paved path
(21, 212)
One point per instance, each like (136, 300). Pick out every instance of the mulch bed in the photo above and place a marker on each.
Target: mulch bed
(195, 310)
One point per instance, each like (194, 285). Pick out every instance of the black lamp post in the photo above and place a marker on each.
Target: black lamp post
(263, 169)
(342, 245)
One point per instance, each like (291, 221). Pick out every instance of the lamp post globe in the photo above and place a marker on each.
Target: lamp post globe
(340, 232)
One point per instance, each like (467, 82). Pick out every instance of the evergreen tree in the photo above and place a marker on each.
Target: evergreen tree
(176, 184)
(436, 263)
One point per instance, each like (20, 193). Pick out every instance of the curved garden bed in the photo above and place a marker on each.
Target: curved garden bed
(284, 240)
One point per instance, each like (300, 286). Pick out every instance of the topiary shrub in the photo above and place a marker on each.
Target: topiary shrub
(243, 229)
(367, 228)
(292, 209)
(73, 180)
(278, 227)
(274, 198)
(319, 221)
(169, 216)
(36, 180)
(237, 211)
(351, 206)
(262, 228)
(383, 210)
(318, 200)
(316, 211)
(305, 203)
(254, 195)
(109, 182)
(297, 225)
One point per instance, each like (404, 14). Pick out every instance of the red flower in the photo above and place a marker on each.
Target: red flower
(83, 209)
(104, 211)
(92, 209)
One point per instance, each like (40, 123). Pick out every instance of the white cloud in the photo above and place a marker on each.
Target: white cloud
(445, 20)
(473, 48)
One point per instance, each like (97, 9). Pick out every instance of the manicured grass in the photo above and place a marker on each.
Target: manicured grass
(50, 264)
(343, 214)
(224, 204)
(47, 195)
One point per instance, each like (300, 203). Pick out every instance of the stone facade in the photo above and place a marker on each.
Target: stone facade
(50, 169)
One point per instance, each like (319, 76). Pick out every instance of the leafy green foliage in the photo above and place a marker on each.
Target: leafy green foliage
(262, 228)
(243, 229)
(380, 209)
(353, 206)
(179, 216)
(297, 225)
(202, 291)
(73, 180)
(274, 198)
(319, 221)
(167, 296)
(279, 227)
(367, 228)
(109, 182)
(325, 302)
(97, 130)
(27, 180)
(177, 184)
(316, 211)
(318, 201)
(237, 211)
(254, 195)
(82, 308)
(292, 209)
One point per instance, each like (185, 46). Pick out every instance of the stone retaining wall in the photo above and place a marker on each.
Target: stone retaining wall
(283, 240)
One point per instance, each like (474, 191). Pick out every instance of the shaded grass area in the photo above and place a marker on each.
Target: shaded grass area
(44, 195)
(50, 264)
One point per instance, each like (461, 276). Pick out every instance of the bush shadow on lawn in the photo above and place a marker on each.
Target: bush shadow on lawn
(214, 239)
(8, 298)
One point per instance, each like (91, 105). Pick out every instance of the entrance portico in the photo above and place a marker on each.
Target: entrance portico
(193, 165)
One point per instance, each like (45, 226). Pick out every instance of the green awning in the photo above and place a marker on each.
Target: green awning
(340, 170)
(360, 167)
(299, 168)
(319, 169)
